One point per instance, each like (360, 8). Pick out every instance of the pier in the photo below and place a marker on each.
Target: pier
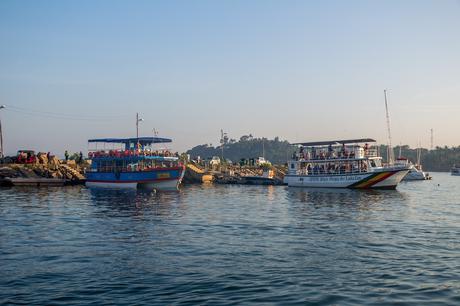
(43, 172)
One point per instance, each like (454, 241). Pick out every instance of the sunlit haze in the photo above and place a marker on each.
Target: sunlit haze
(303, 71)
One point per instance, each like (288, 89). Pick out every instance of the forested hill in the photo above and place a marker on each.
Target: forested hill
(438, 159)
(279, 151)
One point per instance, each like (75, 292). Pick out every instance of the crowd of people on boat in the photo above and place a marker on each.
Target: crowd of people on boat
(334, 168)
(130, 153)
(134, 167)
(331, 153)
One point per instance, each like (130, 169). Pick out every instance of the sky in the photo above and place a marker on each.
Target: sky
(299, 70)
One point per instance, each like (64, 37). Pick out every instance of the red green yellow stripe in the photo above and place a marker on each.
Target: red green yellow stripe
(372, 180)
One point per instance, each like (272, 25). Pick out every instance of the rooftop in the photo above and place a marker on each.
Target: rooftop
(334, 142)
(142, 140)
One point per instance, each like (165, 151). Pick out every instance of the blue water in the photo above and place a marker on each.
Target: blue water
(228, 244)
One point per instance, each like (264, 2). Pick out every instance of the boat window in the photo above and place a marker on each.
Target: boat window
(292, 166)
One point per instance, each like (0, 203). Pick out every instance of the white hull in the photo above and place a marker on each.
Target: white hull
(169, 185)
(166, 185)
(377, 179)
(111, 185)
(415, 175)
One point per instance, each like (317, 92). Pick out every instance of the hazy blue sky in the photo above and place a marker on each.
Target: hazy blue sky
(300, 70)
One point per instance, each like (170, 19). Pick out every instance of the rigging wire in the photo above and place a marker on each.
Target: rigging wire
(53, 115)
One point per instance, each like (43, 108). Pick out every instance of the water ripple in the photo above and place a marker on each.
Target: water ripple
(224, 245)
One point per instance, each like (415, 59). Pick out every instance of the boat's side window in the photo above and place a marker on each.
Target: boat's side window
(292, 166)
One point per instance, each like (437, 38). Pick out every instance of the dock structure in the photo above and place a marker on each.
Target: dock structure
(43, 172)
(36, 182)
(234, 174)
(195, 174)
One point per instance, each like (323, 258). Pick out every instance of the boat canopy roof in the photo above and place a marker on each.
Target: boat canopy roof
(142, 140)
(334, 142)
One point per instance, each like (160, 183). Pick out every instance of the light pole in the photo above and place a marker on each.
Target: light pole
(137, 128)
(1, 134)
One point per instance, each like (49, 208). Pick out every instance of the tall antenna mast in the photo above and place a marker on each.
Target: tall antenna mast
(263, 148)
(2, 151)
(419, 152)
(222, 142)
(431, 143)
(390, 153)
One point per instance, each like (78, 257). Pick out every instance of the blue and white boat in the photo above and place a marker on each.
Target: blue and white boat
(133, 163)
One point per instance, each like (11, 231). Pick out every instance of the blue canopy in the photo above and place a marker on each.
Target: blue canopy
(142, 140)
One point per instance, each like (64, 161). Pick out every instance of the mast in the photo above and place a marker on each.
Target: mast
(431, 142)
(222, 141)
(137, 127)
(390, 153)
(2, 151)
(263, 148)
(419, 153)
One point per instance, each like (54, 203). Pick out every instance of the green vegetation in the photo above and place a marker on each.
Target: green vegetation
(279, 151)
(276, 151)
(438, 159)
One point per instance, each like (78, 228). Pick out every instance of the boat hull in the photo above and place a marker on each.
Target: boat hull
(258, 180)
(385, 179)
(415, 175)
(163, 179)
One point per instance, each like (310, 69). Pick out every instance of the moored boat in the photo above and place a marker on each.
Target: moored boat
(415, 171)
(135, 164)
(267, 178)
(342, 164)
(455, 170)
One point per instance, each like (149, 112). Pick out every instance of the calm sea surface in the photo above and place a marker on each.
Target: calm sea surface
(232, 244)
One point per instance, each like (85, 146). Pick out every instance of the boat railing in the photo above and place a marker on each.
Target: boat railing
(371, 153)
(333, 156)
(132, 168)
(129, 153)
(315, 172)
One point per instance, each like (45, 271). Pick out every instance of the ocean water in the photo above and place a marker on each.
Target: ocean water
(229, 244)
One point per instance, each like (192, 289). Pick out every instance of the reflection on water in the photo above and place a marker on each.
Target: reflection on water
(229, 244)
(137, 201)
(342, 196)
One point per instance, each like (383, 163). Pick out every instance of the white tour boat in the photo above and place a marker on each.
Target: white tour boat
(342, 164)
(455, 170)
